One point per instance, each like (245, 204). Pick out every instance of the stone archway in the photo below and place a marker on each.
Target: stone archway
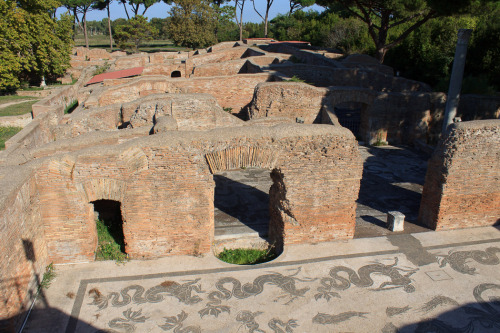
(350, 107)
(176, 74)
(241, 196)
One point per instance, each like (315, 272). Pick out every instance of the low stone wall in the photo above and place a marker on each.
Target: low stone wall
(462, 185)
(323, 76)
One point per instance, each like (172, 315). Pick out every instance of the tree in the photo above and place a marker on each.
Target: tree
(34, 45)
(130, 35)
(80, 7)
(238, 7)
(136, 4)
(264, 18)
(192, 23)
(224, 20)
(296, 5)
(383, 16)
(101, 5)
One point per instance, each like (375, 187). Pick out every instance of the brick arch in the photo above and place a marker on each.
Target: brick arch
(239, 157)
(351, 94)
(107, 189)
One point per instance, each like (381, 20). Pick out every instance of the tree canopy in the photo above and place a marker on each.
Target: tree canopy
(133, 32)
(192, 23)
(33, 43)
(398, 16)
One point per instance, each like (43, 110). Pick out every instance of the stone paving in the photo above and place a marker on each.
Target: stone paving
(425, 282)
(420, 282)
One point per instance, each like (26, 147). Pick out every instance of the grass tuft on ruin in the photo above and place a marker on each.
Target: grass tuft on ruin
(246, 256)
(6, 133)
(108, 247)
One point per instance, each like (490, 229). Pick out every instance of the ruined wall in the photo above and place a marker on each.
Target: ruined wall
(476, 107)
(23, 246)
(462, 185)
(226, 68)
(287, 99)
(142, 60)
(322, 76)
(231, 91)
(165, 188)
(215, 57)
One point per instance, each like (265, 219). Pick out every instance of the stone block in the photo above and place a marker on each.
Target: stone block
(395, 221)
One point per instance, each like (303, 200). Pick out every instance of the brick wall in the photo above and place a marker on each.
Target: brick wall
(166, 188)
(462, 185)
(23, 254)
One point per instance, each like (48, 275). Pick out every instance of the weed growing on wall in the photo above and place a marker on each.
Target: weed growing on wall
(48, 276)
(246, 256)
(71, 107)
(107, 248)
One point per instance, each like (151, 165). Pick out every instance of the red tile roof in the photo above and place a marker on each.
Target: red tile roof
(116, 75)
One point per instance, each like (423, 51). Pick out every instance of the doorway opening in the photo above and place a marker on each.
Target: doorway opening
(176, 74)
(109, 223)
(241, 209)
(349, 115)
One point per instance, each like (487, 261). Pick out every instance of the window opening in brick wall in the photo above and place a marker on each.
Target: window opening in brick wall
(108, 212)
(176, 74)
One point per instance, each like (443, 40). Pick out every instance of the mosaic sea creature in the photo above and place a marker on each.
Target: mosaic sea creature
(183, 292)
(363, 278)
(284, 282)
(458, 259)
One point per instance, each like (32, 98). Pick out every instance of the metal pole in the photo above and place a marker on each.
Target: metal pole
(457, 74)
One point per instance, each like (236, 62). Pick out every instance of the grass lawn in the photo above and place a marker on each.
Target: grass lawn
(6, 133)
(13, 98)
(17, 109)
(102, 42)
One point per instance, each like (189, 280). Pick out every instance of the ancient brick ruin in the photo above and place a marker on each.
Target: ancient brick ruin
(150, 145)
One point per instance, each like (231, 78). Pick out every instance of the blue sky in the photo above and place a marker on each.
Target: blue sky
(161, 10)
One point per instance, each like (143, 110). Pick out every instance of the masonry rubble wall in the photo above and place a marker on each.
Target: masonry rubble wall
(165, 187)
(303, 55)
(233, 92)
(396, 117)
(215, 57)
(462, 185)
(23, 246)
(323, 76)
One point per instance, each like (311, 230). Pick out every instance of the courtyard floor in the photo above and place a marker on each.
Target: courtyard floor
(425, 282)
(414, 281)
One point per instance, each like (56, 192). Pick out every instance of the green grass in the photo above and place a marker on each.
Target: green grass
(17, 109)
(110, 242)
(13, 98)
(6, 133)
(246, 256)
(71, 107)
(102, 42)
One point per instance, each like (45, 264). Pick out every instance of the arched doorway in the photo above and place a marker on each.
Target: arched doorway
(176, 74)
(109, 224)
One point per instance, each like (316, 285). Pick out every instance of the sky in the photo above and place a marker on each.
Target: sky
(161, 9)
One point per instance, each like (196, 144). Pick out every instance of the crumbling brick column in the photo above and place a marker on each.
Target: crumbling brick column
(462, 185)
